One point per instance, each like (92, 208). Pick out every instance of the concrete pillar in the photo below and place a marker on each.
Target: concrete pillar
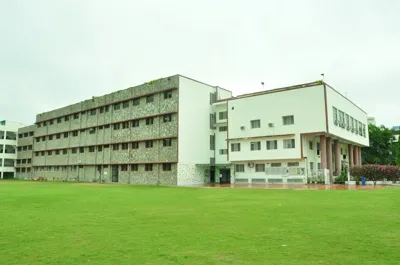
(359, 157)
(322, 146)
(329, 157)
(337, 158)
(350, 154)
(355, 155)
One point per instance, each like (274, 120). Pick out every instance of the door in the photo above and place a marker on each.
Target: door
(225, 175)
(115, 171)
(212, 175)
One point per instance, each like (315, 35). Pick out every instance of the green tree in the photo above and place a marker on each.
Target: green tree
(382, 150)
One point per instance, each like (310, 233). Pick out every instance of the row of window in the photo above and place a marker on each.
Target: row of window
(24, 135)
(24, 161)
(25, 147)
(270, 145)
(115, 147)
(132, 167)
(116, 126)
(105, 109)
(347, 122)
(261, 167)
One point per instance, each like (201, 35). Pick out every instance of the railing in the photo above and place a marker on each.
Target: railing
(316, 173)
(285, 171)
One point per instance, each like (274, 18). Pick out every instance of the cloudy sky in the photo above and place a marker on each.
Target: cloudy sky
(54, 53)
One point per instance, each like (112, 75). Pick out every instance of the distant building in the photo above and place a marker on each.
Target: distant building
(396, 132)
(8, 148)
(371, 120)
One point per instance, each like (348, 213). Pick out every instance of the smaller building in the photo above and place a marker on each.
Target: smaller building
(371, 120)
(8, 148)
(396, 132)
(25, 151)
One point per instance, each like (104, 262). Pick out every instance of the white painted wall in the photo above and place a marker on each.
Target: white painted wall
(9, 127)
(335, 99)
(306, 104)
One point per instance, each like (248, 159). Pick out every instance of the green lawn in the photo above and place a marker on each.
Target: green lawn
(64, 223)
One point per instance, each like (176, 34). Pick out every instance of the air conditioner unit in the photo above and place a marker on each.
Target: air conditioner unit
(270, 125)
(242, 127)
(335, 122)
(344, 156)
(250, 164)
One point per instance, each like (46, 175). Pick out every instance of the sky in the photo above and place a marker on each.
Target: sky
(55, 53)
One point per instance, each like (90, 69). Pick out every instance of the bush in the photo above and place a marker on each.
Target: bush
(376, 172)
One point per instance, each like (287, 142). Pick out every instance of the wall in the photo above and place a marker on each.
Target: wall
(335, 99)
(8, 129)
(305, 104)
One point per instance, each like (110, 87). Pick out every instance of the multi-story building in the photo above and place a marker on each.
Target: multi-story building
(371, 120)
(8, 148)
(178, 131)
(25, 151)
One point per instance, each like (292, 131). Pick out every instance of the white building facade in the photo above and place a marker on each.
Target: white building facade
(289, 135)
(8, 148)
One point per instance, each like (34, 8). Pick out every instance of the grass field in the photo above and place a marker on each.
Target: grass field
(65, 223)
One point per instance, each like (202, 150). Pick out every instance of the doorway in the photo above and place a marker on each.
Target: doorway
(212, 175)
(225, 174)
(114, 175)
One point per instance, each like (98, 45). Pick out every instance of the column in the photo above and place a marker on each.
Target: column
(322, 146)
(329, 157)
(350, 154)
(359, 156)
(337, 158)
(355, 155)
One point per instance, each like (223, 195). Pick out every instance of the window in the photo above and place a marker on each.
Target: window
(19, 148)
(42, 153)
(223, 151)
(335, 116)
(51, 122)
(167, 94)
(117, 106)
(115, 147)
(212, 120)
(43, 138)
(254, 146)
(101, 109)
(124, 167)
(36, 153)
(75, 133)
(124, 146)
(74, 150)
(30, 133)
(149, 121)
(125, 125)
(66, 118)
(239, 168)
(92, 130)
(223, 115)
(135, 123)
(149, 144)
(352, 124)
(150, 99)
(100, 128)
(106, 108)
(116, 126)
(25, 148)
(260, 167)
(363, 131)
(93, 112)
(347, 122)
(20, 135)
(311, 145)
(223, 129)
(81, 149)
(91, 149)
(235, 147)
(76, 116)
(29, 161)
(341, 119)
(272, 145)
(39, 125)
(106, 126)
(288, 143)
(288, 120)
(212, 142)
(136, 102)
(276, 164)
(58, 136)
(167, 118)
(167, 142)
(135, 167)
(57, 152)
(125, 104)
(148, 167)
(318, 148)
(44, 123)
(311, 165)
(38, 139)
(293, 164)
(29, 147)
(18, 161)
(166, 167)
(49, 153)
(99, 148)
(106, 146)
(65, 151)
(59, 120)
(255, 124)
(83, 130)
(135, 145)
(50, 137)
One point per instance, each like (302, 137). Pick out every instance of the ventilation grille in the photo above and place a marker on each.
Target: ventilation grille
(295, 181)
(258, 181)
(275, 181)
(241, 181)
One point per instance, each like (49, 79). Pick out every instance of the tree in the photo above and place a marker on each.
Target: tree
(381, 148)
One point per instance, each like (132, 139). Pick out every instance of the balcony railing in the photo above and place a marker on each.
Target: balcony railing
(285, 171)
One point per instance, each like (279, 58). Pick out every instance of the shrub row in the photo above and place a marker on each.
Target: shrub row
(376, 172)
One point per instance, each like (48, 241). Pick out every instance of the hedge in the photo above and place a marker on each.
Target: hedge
(376, 172)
